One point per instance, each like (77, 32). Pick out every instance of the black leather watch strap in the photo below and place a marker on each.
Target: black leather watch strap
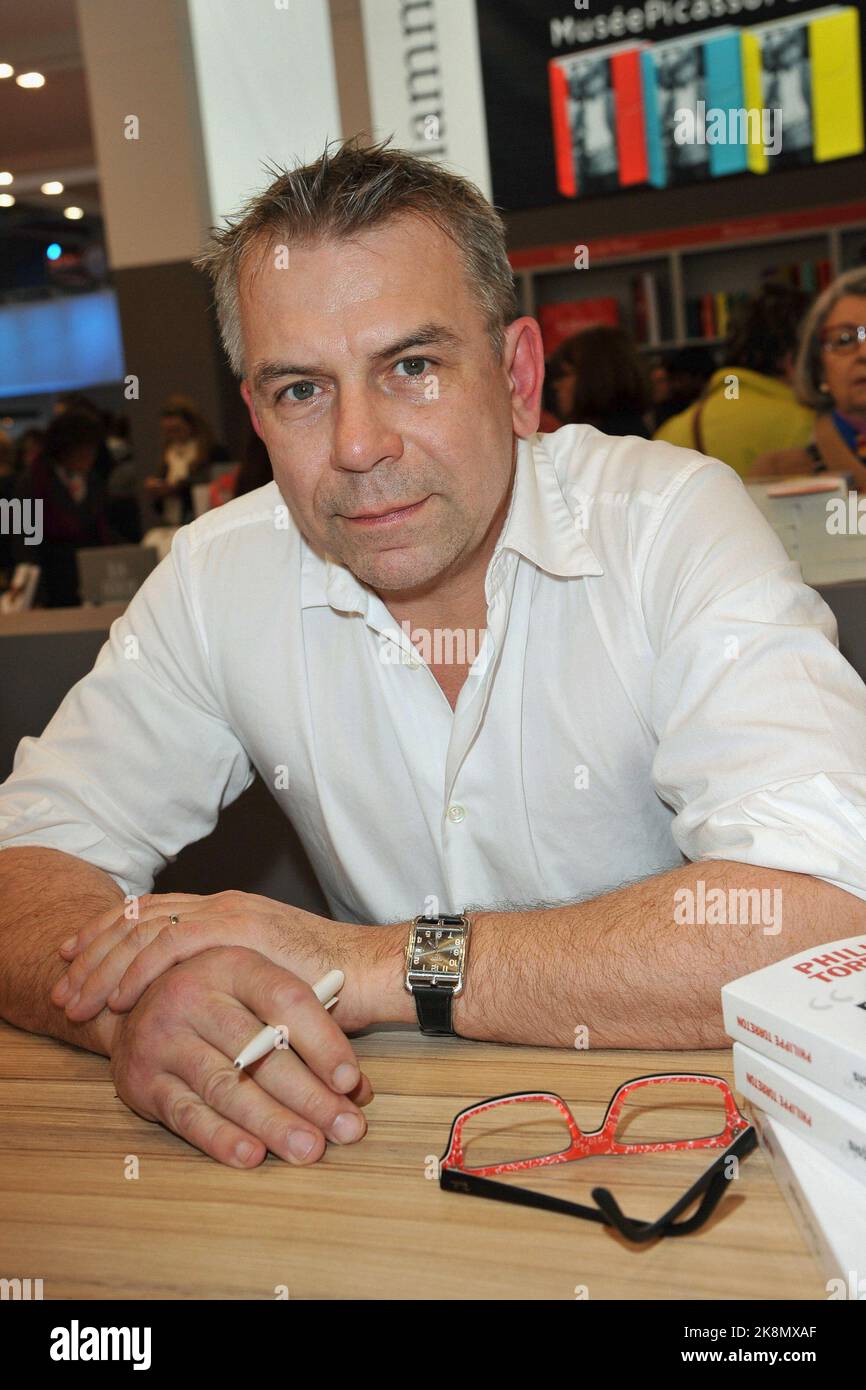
(433, 1006)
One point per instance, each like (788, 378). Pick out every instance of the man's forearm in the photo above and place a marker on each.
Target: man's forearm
(641, 967)
(46, 896)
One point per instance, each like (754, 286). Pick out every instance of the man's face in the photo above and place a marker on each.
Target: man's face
(370, 377)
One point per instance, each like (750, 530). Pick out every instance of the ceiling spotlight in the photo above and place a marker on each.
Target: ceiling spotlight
(6, 70)
(74, 214)
(6, 200)
(53, 186)
(5, 177)
(30, 79)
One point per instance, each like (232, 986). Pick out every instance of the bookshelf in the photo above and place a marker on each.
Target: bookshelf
(688, 263)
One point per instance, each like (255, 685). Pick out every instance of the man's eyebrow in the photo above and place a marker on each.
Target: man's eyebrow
(426, 335)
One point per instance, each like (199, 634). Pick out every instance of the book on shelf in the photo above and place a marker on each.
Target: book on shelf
(645, 308)
(811, 276)
(808, 1013)
(834, 1126)
(709, 315)
(563, 319)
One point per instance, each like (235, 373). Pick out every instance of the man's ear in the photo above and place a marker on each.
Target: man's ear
(248, 400)
(524, 355)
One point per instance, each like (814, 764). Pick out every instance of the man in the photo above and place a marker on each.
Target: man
(646, 706)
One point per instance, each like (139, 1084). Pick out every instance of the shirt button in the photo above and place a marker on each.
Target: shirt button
(456, 814)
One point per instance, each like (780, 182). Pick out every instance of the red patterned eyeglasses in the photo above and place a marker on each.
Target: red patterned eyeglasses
(692, 1110)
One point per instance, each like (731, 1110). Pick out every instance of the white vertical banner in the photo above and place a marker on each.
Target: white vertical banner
(424, 77)
(267, 90)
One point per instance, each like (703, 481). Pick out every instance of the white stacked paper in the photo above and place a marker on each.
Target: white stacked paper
(827, 1205)
(832, 1125)
(808, 1013)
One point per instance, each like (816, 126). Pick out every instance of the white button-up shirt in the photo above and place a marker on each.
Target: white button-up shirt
(655, 682)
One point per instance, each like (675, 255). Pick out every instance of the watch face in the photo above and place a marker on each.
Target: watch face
(437, 949)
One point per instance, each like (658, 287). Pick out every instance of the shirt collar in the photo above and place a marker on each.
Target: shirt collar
(538, 525)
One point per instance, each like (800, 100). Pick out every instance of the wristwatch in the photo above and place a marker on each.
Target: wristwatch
(435, 968)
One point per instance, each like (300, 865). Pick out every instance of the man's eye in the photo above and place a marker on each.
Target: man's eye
(287, 392)
(414, 361)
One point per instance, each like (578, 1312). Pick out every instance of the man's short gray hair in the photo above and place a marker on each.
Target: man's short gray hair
(809, 369)
(358, 187)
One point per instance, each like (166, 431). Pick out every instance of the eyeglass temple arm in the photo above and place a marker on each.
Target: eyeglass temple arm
(458, 1180)
(715, 1180)
(666, 1225)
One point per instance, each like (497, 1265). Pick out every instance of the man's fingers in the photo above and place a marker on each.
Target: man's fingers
(238, 1098)
(186, 1114)
(281, 1077)
(280, 998)
(149, 905)
(96, 970)
(172, 945)
(98, 967)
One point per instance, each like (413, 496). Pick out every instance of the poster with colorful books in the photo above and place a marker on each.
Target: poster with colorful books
(586, 101)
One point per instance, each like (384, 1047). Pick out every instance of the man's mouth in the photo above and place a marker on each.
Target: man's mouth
(389, 517)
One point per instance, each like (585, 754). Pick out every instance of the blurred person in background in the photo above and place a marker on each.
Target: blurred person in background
(188, 451)
(28, 447)
(78, 404)
(255, 471)
(73, 500)
(610, 387)
(117, 437)
(124, 512)
(596, 376)
(748, 405)
(686, 373)
(8, 490)
(830, 378)
(114, 464)
(660, 386)
(557, 390)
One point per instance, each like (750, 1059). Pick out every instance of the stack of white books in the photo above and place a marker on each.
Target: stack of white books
(799, 1031)
(826, 1203)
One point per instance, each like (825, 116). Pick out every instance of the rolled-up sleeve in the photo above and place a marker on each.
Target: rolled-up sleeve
(761, 723)
(138, 760)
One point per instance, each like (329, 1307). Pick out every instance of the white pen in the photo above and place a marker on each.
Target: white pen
(325, 990)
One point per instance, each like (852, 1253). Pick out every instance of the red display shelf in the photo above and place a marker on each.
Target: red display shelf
(732, 230)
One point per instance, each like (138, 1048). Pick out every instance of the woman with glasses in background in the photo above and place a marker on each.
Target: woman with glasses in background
(830, 375)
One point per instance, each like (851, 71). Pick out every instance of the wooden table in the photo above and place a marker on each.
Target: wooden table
(364, 1222)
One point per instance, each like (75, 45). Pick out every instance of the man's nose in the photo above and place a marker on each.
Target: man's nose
(363, 433)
